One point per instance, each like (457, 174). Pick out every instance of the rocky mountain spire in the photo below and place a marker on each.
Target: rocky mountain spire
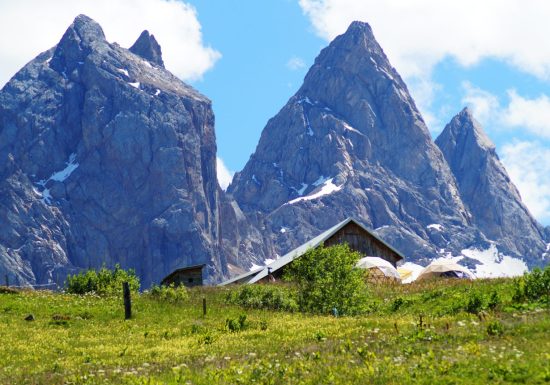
(351, 142)
(105, 160)
(147, 47)
(486, 188)
(77, 42)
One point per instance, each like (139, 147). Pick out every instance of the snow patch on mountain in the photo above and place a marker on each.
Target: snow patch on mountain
(328, 188)
(305, 100)
(494, 264)
(60, 176)
(435, 226)
(301, 190)
(350, 128)
(123, 71)
(321, 180)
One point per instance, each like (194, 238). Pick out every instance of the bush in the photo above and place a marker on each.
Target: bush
(396, 304)
(475, 303)
(170, 293)
(327, 279)
(273, 297)
(495, 328)
(494, 300)
(236, 324)
(533, 286)
(102, 281)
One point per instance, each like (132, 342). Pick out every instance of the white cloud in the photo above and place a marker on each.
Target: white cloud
(532, 114)
(484, 104)
(528, 164)
(417, 34)
(295, 63)
(28, 27)
(224, 175)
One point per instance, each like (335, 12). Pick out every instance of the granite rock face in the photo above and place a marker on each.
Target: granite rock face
(105, 157)
(147, 47)
(351, 142)
(486, 189)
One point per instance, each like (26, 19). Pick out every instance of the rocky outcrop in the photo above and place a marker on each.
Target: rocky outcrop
(486, 189)
(147, 47)
(351, 142)
(105, 157)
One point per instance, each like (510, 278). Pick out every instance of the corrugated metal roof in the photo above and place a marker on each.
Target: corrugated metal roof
(258, 274)
(241, 276)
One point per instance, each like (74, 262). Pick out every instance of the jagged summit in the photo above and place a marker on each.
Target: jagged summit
(76, 43)
(357, 51)
(466, 129)
(486, 188)
(87, 27)
(84, 30)
(360, 28)
(148, 48)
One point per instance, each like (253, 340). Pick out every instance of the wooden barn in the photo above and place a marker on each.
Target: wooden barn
(358, 237)
(188, 276)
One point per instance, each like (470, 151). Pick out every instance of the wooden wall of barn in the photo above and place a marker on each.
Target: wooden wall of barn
(361, 241)
(189, 278)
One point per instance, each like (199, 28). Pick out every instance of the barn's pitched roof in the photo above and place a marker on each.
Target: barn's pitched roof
(262, 272)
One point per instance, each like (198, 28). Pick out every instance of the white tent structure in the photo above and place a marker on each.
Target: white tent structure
(379, 269)
(409, 271)
(445, 268)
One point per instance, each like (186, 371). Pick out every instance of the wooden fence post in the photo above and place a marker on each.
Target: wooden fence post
(204, 306)
(127, 300)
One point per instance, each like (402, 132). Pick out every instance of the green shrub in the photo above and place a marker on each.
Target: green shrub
(397, 303)
(495, 328)
(494, 300)
(102, 282)
(475, 303)
(533, 286)
(169, 294)
(236, 324)
(327, 279)
(273, 297)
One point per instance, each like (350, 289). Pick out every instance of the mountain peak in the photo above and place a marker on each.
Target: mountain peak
(486, 189)
(76, 43)
(148, 48)
(360, 26)
(464, 128)
(358, 38)
(87, 29)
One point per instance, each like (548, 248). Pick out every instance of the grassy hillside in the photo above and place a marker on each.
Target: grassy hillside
(467, 335)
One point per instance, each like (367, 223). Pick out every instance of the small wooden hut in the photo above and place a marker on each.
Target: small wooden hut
(188, 276)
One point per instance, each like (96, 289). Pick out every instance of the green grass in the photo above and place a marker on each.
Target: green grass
(85, 340)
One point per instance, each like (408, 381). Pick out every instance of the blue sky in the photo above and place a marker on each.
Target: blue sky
(254, 77)
(249, 57)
